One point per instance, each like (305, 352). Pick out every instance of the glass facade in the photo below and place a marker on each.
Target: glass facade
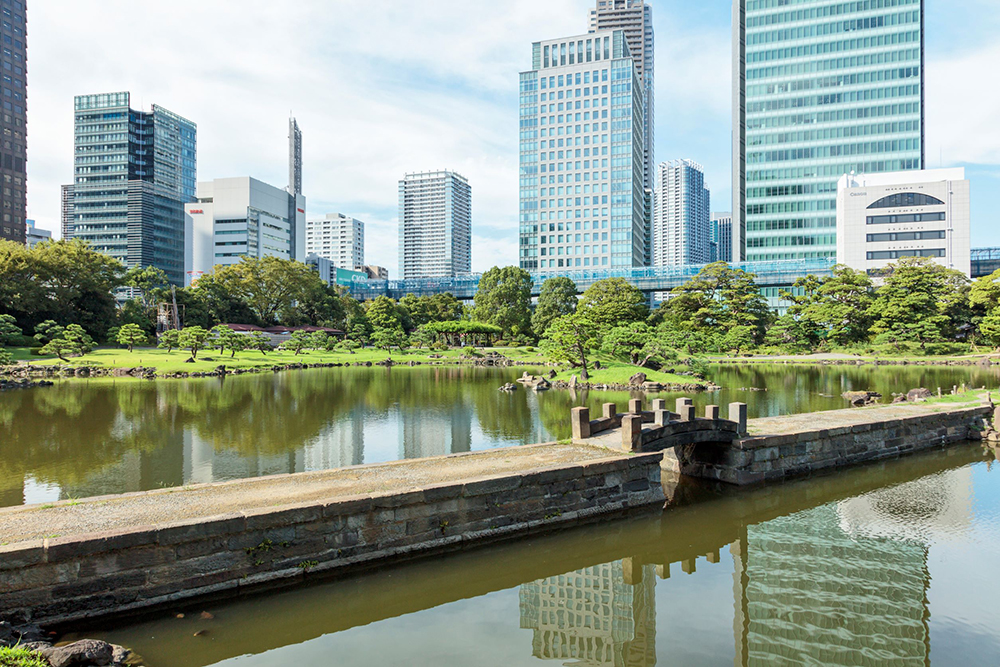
(13, 120)
(582, 200)
(133, 173)
(823, 89)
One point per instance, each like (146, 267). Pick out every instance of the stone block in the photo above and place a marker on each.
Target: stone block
(271, 518)
(609, 411)
(687, 413)
(682, 403)
(738, 414)
(580, 421)
(635, 406)
(23, 554)
(658, 404)
(631, 433)
(712, 412)
(199, 529)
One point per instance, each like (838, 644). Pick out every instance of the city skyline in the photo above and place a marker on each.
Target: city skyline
(451, 103)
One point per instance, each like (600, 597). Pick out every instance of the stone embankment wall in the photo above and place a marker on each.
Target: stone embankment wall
(63, 580)
(773, 457)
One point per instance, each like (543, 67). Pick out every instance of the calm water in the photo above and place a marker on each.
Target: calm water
(891, 564)
(86, 438)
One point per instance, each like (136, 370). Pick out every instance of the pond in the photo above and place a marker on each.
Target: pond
(890, 563)
(84, 438)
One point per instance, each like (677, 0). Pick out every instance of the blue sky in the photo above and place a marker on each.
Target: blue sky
(383, 87)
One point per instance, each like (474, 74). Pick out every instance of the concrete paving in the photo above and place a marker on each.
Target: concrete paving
(152, 508)
(815, 421)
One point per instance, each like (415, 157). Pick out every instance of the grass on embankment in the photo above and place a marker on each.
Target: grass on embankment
(21, 657)
(210, 359)
(616, 372)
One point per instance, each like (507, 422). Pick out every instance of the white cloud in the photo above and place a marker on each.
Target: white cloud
(962, 108)
(380, 88)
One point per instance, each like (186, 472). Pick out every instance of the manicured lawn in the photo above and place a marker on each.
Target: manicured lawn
(208, 360)
(21, 353)
(613, 372)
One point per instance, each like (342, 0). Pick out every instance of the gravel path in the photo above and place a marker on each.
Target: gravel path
(151, 508)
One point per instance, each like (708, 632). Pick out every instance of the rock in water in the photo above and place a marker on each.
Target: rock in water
(572, 382)
(84, 652)
(637, 380)
(914, 394)
(552, 375)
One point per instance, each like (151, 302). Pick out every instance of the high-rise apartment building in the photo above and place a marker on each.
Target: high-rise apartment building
(234, 218)
(720, 232)
(583, 202)
(337, 238)
(821, 89)
(14, 122)
(35, 235)
(133, 173)
(294, 157)
(435, 225)
(682, 209)
(66, 221)
(635, 18)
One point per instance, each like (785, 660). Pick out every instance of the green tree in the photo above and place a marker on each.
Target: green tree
(571, 338)
(267, 285)
(912, 304)
(627, 341)
(131, 335)
(319, 340)
(842, 306)
(386, 339)
(146, 281)
(193, 339)
(6, 358)
(504, 299)
(9, 331)
(169, 339)
(47, 331)
(319, 305)
(225, 338)
(71, 340)
(260, 341)
(557, 298)
(613, 301)
(297, 343)
(989, 328)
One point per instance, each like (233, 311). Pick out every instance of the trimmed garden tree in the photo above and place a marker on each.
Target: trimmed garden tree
(71, 340)
(131, 335)
(193, 339)
(169, 339)
(504, 299)
(570, 338)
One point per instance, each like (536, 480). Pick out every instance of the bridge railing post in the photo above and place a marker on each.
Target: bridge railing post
(632, 433)
(609, 411)
(580, 418)
(687, 413)
(738, 414)
(712, 412)
(658, 404)
(661, 417)
(681, 403)
(635, 406)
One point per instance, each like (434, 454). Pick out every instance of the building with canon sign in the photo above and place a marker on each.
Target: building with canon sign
(882, 218)
(232, 218)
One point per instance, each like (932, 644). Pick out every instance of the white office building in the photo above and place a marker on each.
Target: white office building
(583, 203)
(435, 225)
(242, 217)
(34, 235)
(682, 210)
(338, 238)
(882, 218)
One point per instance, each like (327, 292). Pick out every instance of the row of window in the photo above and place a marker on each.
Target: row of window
(798, 223)
(578, 79)
(833, 98)
(833, 81)
(816, 12)
(820, 152)
(833, 133)
(906, 236)
(831, 64)
(836, 27)
(902, 199)
(837, 46)
(833, 171)
(558, 55)
(780, 241)
(904, 219)
(899, 254)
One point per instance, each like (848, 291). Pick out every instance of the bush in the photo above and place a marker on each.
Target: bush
(6, 358)
(22, 341)
(470, 351)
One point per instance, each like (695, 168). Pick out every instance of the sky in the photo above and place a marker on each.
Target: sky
(383, 87)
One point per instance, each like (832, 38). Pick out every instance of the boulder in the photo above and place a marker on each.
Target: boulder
(552, 375)
(541, 385)
(120, 655)
(510, 386)
(862, 398)
(80, 654)
(915, 394)
(637, 380)
(597, 365)
(899, 399)
(572, 382)
(7, 637)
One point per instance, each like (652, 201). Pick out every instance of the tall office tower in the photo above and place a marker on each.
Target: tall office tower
(583, 200)
(67, 211)
(338, 238)
(14, 122)
(635, 18)
(234, 218)
(294, 157)
(435, 225)
(720, 230)
(820, 90)
(680, 222)
(134, 171)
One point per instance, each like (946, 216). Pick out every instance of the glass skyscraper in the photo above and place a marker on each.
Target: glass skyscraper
(14, 121)
(681, 233)
(821, 89)
(582, 196)
(133, 173)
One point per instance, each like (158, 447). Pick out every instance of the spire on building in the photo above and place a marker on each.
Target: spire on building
(294, 157)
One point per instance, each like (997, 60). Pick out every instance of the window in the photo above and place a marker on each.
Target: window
(896, 254)
(905, 236)
(907, 199)
(912, 217)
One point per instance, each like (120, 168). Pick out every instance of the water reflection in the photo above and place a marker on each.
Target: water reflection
(80, 439)
(835, 570)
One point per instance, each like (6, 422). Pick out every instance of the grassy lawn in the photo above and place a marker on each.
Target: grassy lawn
(20, 657)
(208, 360)
(615, 372)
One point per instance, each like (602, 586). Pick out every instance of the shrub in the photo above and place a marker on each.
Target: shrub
(6, 358)
(470, 351)
(21, 657)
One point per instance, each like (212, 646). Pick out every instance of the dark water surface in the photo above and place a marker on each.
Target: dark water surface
(94, 437)
(887, 564)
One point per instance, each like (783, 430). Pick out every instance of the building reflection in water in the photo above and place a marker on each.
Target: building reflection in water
(604, 615)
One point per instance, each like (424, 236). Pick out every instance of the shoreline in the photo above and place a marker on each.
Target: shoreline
(856, 361)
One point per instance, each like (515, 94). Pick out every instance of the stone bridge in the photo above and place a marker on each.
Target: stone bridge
(658, 429)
